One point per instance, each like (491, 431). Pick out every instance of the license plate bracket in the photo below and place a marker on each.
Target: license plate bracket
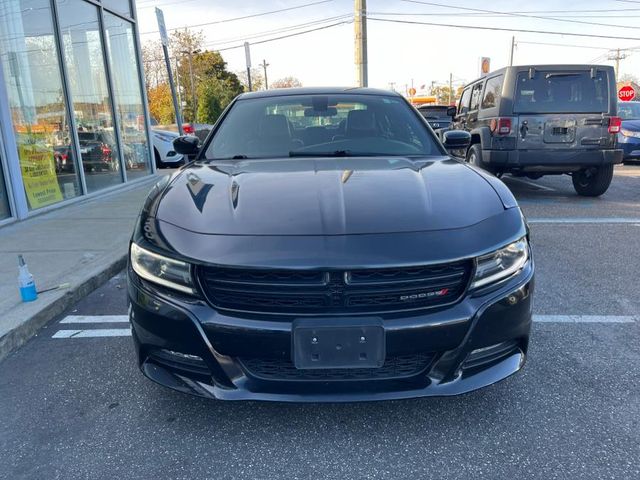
(323, 343)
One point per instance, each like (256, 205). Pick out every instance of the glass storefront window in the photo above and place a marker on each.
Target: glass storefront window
(84, 59)
(128, 95)
(119, 6)
(37, 102)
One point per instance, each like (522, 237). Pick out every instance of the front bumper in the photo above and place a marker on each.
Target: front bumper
(630, 146)
(186, 345)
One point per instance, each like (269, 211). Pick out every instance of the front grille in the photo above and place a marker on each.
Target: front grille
(394, 367)
(300, 292)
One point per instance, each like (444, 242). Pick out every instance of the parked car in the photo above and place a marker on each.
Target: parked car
(368, 266)
(438, 116)
(96, 150)
(540, 120)
(165, 155)
(629, 136)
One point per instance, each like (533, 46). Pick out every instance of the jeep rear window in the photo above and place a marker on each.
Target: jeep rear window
(562, 92)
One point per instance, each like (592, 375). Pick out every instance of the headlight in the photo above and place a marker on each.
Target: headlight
(161, 270)
(629, 133)
(501, 264)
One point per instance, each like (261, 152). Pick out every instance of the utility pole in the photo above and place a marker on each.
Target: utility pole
(266, 82)
(178, 83)
(513, 47)
(360, 30)
(617, 56)
(450, 88)
(247, 54)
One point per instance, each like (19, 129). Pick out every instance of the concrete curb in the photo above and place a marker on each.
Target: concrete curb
(19, 335)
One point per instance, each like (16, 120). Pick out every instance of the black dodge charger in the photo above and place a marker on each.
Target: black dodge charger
(323, 246)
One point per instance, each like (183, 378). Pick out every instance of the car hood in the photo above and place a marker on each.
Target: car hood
(633, 125)
(327, 196)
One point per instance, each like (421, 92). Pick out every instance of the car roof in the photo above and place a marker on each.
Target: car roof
(282, 92)
(552, 67)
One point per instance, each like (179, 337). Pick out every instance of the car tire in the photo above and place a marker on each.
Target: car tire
(474, 155)
(593, 182)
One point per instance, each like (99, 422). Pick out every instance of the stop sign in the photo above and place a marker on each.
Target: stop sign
(626, 93)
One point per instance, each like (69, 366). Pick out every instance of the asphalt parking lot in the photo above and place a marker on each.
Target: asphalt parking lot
(73, 405)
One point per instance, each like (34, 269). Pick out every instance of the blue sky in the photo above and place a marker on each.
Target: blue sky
(398, 52)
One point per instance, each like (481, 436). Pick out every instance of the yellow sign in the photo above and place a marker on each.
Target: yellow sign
(39, 176)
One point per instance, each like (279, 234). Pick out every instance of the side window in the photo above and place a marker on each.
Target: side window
(492, 92)
(463, 106)
(476, 93)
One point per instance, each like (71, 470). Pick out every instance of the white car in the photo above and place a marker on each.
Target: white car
(165, 155)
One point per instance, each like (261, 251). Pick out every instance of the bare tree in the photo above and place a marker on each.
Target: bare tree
(286, 82)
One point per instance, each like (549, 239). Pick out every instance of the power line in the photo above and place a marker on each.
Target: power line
(518, 14)
(564, 45)
(287, 36)
(494, 15)
(276, 31)
(244, 17)
(502, 29)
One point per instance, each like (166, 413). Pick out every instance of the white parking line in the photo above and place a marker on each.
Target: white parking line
(586, 220)
(585, 318)
(95, 319)
(102, 332)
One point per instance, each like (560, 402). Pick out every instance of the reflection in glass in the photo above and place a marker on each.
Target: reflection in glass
(118, 6)
(37, 102)
(84, 59)
(4, 197)
(128, 95)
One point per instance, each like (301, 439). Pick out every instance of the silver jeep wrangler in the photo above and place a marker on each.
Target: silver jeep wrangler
(540, 120)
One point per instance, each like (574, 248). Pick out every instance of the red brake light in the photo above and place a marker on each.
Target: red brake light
(188, 129)
(615, 124)
(501, 126)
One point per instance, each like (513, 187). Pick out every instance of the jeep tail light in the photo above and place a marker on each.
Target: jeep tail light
(615, 124)
(188, 129)
(501, 126)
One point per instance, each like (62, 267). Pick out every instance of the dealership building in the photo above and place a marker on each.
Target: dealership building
(74, 120)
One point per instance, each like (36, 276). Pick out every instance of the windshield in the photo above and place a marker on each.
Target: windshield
(434, 112)
(629, 110)
(321, 125)
(562, 92)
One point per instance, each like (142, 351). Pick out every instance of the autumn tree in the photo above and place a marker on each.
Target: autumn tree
(160, 104)
(204, 84)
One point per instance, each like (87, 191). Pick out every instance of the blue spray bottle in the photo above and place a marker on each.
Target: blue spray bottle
(25, 280)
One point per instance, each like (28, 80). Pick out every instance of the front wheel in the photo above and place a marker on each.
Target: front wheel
(593, 182)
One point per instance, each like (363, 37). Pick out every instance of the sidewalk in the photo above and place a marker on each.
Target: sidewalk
(82, 244)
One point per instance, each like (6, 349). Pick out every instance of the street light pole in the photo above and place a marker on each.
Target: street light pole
(513, 47)
(266, 82)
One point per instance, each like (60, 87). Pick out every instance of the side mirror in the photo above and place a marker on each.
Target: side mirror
(186, 145)
(456, 140)
(452, 111)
